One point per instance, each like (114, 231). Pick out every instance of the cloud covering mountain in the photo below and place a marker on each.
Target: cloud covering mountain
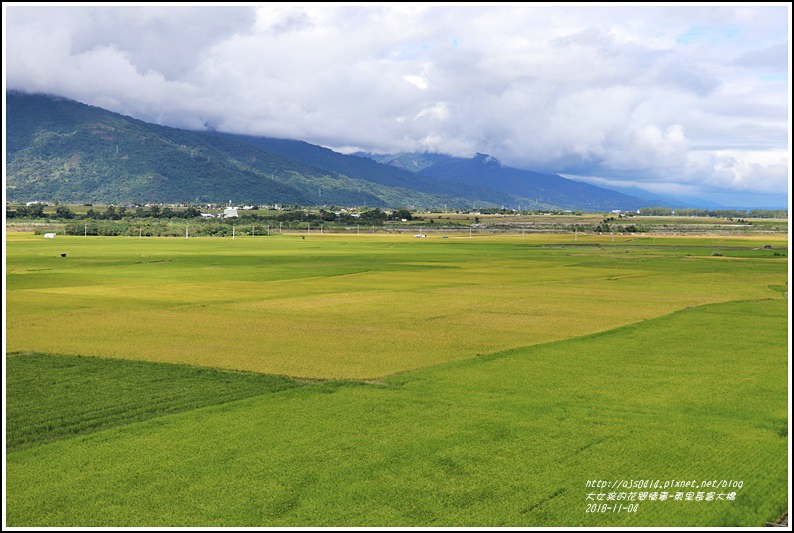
(673, 99)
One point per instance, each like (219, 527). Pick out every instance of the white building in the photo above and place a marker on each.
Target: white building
(230, 212)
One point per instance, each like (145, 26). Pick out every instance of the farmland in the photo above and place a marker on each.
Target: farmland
(346, 307)
(59, 397)
(456, 382)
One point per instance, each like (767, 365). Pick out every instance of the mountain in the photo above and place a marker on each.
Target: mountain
(65, 151)
(366, 169)
(657, 200)
(410, 161)
(61, 150)
(485, 171)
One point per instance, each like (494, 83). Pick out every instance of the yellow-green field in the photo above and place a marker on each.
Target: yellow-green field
(357, 307)
(459, 382)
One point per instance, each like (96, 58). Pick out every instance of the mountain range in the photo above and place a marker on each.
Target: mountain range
(60, 150)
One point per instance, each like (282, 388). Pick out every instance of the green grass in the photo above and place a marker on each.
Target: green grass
(357, 307)
(506, 439)
(56, 397)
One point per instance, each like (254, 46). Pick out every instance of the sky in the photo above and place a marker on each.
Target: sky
(689, 100)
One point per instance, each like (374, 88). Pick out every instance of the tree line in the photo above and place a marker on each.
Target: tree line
(62, 212)
(716, 213)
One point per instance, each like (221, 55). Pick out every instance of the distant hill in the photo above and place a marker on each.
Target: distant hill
(658, 200)
(366, 169)
(410, 161)
(65, 151)
(483, 170)
(62, 150)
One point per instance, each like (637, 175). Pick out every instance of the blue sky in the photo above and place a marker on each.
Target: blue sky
(687, 100)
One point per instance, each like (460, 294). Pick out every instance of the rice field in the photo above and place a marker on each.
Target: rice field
(59, 397)
(458, 382)
(354, 308)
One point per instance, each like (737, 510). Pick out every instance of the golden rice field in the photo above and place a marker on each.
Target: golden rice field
(357, 307)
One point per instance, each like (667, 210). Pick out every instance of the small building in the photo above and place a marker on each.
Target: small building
(49, 235)
(230, 212)
(207, 215)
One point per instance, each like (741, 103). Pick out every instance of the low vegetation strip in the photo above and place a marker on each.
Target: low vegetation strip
(504, 440)
(53, 397)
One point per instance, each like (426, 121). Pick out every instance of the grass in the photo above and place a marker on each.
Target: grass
(357, 307)
(57, 397)
(506, 439)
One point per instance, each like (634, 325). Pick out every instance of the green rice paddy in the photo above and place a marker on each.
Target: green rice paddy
(57, 397)
(473, 382)
(353, 308)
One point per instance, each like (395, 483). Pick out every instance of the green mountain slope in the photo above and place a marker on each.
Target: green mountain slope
(62, 150)
(378, 173)
(487, 172)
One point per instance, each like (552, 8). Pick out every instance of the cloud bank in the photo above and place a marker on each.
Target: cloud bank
(686, 99)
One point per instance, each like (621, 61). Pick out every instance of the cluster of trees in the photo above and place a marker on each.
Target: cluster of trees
(36, 211)
(164, 229)
(505, 211)
(496, 211)
(718, 213)
(604, 227)
(155, 211)
(26, 211)
(400, 214)
(117, 213)
(371, 217)
(767, 213)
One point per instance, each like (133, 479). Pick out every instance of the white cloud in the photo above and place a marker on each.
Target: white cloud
(417, 81)
(677, 95)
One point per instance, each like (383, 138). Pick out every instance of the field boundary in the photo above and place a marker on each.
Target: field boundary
(509, 351)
